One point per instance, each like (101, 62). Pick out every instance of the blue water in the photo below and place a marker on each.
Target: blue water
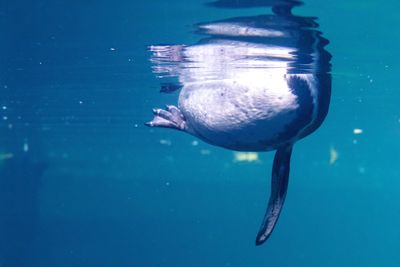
(84, 183)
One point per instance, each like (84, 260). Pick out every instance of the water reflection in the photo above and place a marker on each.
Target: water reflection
(254, 83)
(278, 42)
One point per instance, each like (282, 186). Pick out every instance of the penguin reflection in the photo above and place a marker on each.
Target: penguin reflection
(254, 83)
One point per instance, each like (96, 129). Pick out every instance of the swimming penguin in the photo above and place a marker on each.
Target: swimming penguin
(255, 84)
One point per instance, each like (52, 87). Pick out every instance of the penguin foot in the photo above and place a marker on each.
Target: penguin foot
(171, 117)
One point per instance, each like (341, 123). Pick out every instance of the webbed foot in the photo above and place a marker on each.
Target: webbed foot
(171, 117)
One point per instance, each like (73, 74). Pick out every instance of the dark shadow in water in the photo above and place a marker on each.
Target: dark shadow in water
(22, 166)
(20, 182)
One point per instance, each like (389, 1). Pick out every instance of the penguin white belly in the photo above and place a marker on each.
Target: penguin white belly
(246, 113)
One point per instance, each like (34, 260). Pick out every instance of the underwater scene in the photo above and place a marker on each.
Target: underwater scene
(199, 133)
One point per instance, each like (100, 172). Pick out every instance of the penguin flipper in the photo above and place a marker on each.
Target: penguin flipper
(279, 184)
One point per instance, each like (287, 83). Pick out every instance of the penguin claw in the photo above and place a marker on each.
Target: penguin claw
(171, 117)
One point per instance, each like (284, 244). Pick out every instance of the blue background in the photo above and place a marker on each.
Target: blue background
(84, 183)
